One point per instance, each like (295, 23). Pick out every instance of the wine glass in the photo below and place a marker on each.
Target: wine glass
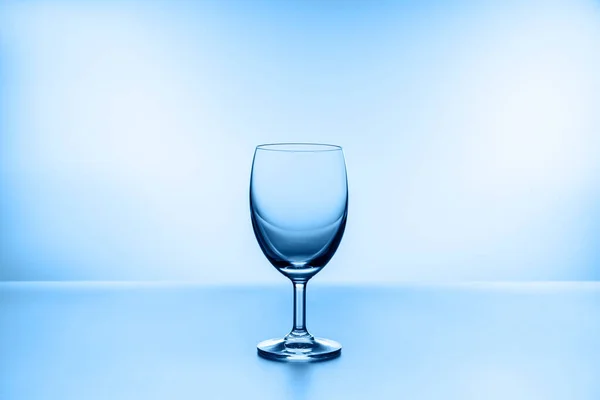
(299, 204)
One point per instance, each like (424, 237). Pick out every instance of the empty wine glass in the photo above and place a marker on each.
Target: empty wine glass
(298, 204)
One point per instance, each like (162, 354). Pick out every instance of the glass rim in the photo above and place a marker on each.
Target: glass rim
(299, 147)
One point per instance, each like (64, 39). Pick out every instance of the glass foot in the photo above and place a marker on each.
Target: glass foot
(305, 350)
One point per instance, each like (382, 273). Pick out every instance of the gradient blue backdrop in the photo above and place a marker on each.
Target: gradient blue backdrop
(471, 132)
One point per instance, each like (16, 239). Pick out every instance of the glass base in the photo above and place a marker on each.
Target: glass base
(306, 350)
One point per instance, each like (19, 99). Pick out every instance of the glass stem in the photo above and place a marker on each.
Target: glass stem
(299, 329)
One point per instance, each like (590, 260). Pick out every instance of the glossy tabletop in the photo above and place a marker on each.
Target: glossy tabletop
(185, 341)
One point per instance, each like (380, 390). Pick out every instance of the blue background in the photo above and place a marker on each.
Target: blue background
(471, 132)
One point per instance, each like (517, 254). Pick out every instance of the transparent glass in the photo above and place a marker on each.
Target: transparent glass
(299, 204)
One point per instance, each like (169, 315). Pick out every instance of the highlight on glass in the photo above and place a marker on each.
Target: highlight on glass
(299, 205)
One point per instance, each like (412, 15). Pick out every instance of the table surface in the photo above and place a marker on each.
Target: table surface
(185, 341)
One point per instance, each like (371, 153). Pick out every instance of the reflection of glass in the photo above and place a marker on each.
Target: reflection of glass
(299, 203)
